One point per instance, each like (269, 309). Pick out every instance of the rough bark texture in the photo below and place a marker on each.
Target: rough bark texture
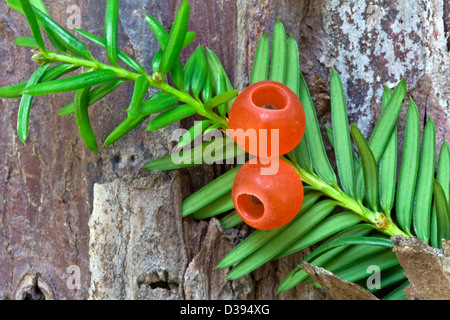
(64, 206)
(427, 269)
(136, 246)
(337, 288)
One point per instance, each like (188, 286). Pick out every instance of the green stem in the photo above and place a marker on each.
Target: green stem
(131, 76)
(381, 222)
(97, 65)
(193, 102)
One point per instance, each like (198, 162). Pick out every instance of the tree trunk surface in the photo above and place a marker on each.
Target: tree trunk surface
(76, 225)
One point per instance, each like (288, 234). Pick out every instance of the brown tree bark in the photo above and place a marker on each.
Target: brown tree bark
(63, 206)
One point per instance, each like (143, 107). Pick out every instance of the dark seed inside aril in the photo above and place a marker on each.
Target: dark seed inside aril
(269, 107)
(256, 201)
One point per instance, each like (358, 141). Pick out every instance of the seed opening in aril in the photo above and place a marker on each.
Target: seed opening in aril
(269, 97)
(269, 107)
(251, 206)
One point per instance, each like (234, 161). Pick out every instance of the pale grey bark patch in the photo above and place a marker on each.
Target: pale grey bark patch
(375, 43)
(136, 239)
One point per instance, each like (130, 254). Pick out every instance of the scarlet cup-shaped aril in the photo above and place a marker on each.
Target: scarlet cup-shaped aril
(267, 201)
(267, 119)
